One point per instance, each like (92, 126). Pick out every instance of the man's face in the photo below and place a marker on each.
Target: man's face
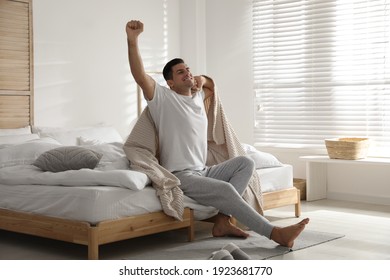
(181, 76)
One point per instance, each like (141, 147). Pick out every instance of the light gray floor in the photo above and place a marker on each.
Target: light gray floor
(366, 228)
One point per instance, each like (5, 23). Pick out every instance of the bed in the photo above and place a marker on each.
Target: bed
(100, 212)
(90, 215)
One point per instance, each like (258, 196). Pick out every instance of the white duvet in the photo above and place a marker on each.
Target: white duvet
(113, 169)
(109, 191)
(31, 175)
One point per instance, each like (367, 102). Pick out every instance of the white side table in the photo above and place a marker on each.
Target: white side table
(316, 173)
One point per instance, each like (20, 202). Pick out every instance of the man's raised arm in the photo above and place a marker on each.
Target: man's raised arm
(133, 29)
(206, 83)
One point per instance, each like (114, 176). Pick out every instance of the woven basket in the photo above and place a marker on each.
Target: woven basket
(347, 148)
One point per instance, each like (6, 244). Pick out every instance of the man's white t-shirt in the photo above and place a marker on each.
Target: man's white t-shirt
(181, 124)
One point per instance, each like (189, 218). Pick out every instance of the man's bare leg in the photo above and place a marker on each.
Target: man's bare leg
(285, 236)
(224, 227)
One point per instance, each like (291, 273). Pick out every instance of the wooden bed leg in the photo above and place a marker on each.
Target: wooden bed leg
(298, 204)
(93, 243)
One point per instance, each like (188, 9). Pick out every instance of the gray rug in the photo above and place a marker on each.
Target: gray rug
(256, 246)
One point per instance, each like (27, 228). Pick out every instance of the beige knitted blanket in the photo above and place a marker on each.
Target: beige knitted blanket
(141, 149)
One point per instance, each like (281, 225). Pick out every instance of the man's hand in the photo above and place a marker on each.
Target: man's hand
(205, 83)
(198, 83)
(147, 84)
(133, 29)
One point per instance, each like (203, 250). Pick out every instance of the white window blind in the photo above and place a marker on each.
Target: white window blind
(321, 70)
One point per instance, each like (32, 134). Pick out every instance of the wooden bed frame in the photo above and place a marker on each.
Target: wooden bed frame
(276, 199)
(94, 235)
(16, 111)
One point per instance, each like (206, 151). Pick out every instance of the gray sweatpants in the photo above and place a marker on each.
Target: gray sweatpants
(221, 186)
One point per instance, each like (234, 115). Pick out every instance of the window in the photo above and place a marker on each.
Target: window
(321, 70)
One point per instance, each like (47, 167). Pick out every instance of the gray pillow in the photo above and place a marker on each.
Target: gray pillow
(68, 158)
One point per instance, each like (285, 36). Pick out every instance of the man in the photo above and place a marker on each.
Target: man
(181, 123)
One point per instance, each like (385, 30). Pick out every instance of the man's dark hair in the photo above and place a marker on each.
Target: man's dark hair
(167, 71)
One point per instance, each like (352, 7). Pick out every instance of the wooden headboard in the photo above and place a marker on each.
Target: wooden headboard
(16, 64)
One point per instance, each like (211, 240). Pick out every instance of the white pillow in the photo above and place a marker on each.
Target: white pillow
(16, 139)
(15, 131)
(113, 153)
(84, 141)
(25, 153)
(70, 136)
(261, 159)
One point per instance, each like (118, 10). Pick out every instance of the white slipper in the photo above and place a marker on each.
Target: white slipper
(221, 255)
(236, 252)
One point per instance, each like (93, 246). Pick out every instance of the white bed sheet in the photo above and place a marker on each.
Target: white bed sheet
(97, 203)
(88, 203)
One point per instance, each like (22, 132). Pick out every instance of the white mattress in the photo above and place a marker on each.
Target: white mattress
(97, 203)
(276, 178)
(90, 203)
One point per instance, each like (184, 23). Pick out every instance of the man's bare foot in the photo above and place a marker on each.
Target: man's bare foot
(224, 227)
(285, 236)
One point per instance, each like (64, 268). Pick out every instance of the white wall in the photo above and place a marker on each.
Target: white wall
(82, 75)
(80, 54)
(229, 60)
(193, 35)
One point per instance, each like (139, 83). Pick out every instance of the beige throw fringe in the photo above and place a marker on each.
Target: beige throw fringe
(141, 149)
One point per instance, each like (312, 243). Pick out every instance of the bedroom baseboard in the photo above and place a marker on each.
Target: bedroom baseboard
(359, 198)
